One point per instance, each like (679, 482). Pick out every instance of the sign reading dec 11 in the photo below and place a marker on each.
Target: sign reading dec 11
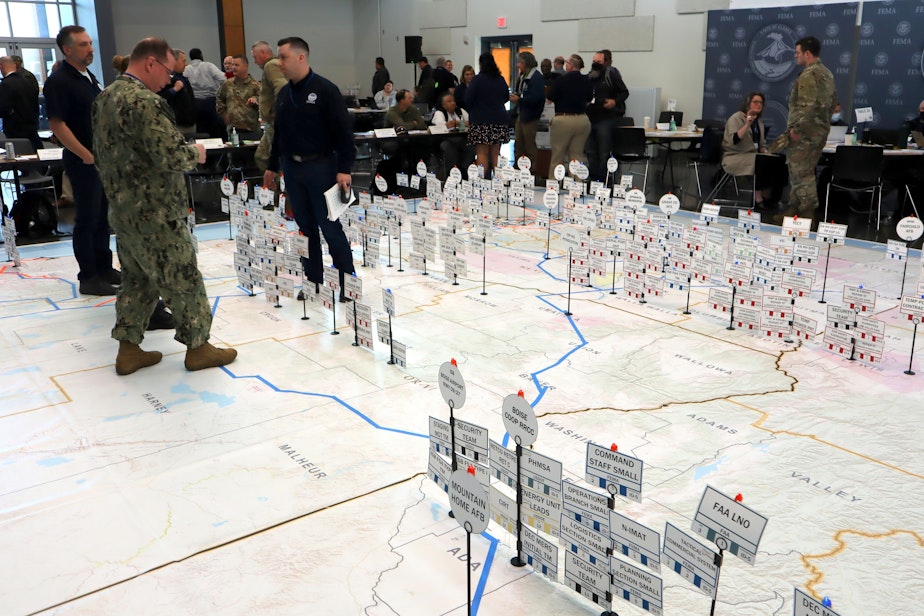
(614, 471)
(729, 524)
(520, 420)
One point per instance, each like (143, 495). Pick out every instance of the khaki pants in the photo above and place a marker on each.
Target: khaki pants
(568, 134)
(525, 142)
(262, 155)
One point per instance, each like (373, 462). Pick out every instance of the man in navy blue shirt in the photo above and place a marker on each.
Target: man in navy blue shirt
(313, 146)
(69, 94)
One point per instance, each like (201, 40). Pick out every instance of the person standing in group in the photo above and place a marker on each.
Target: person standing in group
(468, 73)
(381, 76)
(529, 98)
(609, 103)
(205, 79)
(179, 95)
(270, 85)
(18, 104)
(236, 100)
(141, 158)
(485, 100)
(811, 104)
(453, 80)
(570, 127)
(69, 93)
(313, 146)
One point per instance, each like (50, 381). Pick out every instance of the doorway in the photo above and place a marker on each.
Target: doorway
(505, 50)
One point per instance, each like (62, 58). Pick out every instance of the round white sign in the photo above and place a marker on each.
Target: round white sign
(550, 199)
(669, 204)
(573, 166)
(243, 190)
(474, 171)
(581, 171)
(635, 197)
(227, 187)
(469, 501)
(520, 420)
(559, 172)
(452, 385)
(612, 164)
(264, 195)
(421, 168)
(909, 228)
(380, 183)
(455, 174)
(524, 163)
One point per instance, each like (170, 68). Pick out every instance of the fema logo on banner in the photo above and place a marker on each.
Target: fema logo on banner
(771, 52)
(860, 88)
(895, 89)
(710, 84)
(845, 58)
(735, 85)
(774, 116)
(881, 59)
(724, 59)
(740, 33)
(832, 30)
(866, 30)
(712, 34)
(903, 28)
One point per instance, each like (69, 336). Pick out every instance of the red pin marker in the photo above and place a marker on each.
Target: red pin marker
(453, 362)
(190, 210)
(520, 393)
(613, 447)
(749, 212)
(471, 470)
(795, 217)
(246, 213)
(739, 498)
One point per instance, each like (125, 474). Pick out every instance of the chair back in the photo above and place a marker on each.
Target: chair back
(857, 164)
(624, 121)
(629, 141)
(665, 117)
(23, 147)
(710, 149)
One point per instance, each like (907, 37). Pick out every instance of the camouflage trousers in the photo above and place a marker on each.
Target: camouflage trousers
(158, 260)
(262, 155)
(802, 159)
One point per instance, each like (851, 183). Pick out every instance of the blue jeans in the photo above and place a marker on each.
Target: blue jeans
(91, 222)
(598, 147)
(305, 186)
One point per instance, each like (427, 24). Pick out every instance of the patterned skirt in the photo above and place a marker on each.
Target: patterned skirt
(495, 134)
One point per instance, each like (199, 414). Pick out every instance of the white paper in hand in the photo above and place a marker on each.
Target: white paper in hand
(335, 207)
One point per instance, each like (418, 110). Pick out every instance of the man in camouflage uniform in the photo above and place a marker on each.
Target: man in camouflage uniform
(141, 158)
(811, 104)
(272, 82)
(236, 99)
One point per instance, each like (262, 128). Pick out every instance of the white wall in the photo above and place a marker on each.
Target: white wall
(184, 23)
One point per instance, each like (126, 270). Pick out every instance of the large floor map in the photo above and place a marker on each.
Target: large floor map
(295, 480)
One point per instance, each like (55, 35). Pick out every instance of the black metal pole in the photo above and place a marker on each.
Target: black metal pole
(333, 309)
(718, 572)
(914, 334)
(355, 326)
(568, 311)
(904, 273)
(391, 360)
(484, 264)
(731, 318)
(400, 256)
(517, 561)
(824, 281)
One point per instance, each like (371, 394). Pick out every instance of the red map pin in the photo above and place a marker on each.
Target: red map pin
(471, 470)
(453, 362)
(613, 447)
(520, 393)
(739, 498)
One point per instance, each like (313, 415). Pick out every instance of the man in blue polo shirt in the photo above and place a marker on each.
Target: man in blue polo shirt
(313, 146)
(69, 94)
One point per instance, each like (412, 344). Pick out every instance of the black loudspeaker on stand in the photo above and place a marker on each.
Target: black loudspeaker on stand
(412, 48)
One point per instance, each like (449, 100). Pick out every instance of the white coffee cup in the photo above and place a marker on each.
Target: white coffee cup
(646, 122)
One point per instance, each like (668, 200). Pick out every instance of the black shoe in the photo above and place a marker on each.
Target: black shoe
(113, 276)
(161, 318)
(97, 286)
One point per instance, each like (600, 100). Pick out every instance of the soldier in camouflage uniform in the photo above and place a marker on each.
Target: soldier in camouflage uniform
(811, 104)
(272, 82)
(236, 99)
(141, 158)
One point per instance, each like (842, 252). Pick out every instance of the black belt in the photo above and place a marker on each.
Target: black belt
(307, 158)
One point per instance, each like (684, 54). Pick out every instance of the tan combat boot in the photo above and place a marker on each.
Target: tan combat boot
(207, 356)
(132, 357)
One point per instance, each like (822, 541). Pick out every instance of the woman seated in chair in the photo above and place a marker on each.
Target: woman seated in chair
(744, 138)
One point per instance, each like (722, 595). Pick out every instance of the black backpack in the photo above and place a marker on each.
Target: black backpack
(34, 214)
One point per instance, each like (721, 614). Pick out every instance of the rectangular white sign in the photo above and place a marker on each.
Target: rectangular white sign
(730, 524)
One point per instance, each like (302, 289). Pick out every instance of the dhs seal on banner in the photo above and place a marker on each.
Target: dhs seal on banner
(771, 52)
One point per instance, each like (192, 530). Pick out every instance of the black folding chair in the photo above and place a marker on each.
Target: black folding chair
(857, 169)
(630, 148)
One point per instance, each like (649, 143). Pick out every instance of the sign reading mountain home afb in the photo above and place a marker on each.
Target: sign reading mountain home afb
(616, 472)
(729, 524)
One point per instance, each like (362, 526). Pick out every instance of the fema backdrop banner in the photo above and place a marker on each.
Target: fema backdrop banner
(752, 49)
(889, 72)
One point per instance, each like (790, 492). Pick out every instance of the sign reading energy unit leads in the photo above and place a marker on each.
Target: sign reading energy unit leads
(469, 501)
(803, 605)
(614, 471)
(729, 524)
(520, 420)
(452, 385)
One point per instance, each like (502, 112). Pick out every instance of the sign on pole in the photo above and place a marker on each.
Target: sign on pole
(691, 560)
(616, 472)
(803, 605)
(729, 524)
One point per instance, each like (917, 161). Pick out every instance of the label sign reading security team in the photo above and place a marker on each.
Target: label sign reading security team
(614, 471)
(729, 524)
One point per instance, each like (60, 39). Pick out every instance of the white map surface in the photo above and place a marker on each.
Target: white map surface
(294, 480)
